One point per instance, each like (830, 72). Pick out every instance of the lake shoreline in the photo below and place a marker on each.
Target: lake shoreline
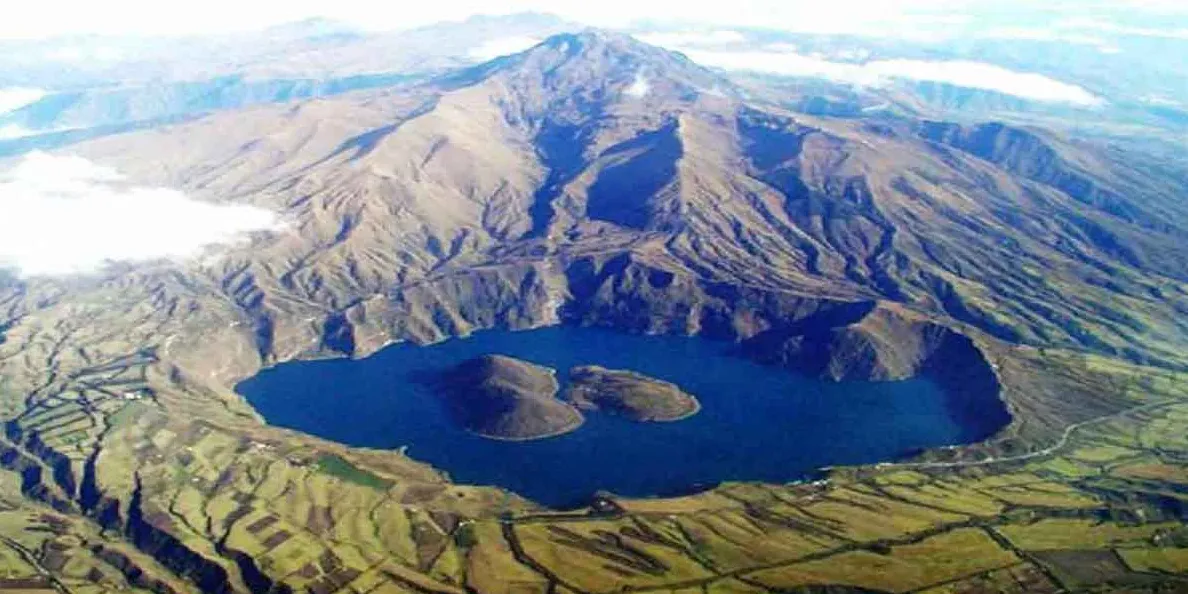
(752, 423)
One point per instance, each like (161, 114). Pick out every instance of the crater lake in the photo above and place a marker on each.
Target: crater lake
(756, 423)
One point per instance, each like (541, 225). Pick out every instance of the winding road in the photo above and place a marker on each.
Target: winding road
(1060, 443)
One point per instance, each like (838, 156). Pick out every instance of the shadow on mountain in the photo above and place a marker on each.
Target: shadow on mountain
(561, 148)
(621, 193)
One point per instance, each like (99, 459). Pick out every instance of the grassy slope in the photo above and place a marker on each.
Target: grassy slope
(1104, 504)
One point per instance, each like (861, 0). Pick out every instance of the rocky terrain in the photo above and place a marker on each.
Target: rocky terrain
(597, 180)
(505, 398)
(629, 394)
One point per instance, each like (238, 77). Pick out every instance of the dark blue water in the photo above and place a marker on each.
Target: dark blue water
(756, 422)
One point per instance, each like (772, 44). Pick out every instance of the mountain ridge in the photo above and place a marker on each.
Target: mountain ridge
(823, 207)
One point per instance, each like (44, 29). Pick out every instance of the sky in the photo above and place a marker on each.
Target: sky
(26, 20)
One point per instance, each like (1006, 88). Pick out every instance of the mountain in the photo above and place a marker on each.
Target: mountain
(120, 81)
(595, 142)
(309, 49)
(591, 179)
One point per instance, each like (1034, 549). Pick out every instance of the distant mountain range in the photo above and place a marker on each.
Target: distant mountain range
(103, 84)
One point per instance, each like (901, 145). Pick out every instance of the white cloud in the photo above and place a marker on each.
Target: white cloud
(17, 97)
(980, 75)
(67, 215)
(974, 75)
(12, 131)
(1088, 24)
(1050, 34)
(777, 61)
(50, 17)
(693, 38)
(640, 87)
(84, 53)
(851, 55)
(782, 47)
(502, 46)
(1160, 101)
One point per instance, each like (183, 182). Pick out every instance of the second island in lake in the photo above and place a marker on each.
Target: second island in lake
(504, 398)
(629, 394)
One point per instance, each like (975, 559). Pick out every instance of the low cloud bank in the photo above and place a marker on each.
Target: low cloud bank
(502, 46)
(1160, 101)
(13, 98)
(12, 131)
(1091, 24)
(974, 75)
(1051, 35)
(692, 38)
(66, 215)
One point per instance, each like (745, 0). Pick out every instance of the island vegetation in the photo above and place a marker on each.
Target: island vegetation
(629, 394)
(505, 398)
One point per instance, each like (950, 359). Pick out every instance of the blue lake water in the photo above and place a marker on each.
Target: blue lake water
(756, 422)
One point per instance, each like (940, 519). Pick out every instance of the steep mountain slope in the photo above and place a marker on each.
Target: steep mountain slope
(598, 179)
(596, 142)
(592, 179)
